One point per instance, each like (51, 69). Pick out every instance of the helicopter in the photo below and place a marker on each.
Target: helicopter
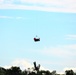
(36, 39)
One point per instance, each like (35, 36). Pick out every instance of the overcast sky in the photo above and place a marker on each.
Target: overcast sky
(53, 21)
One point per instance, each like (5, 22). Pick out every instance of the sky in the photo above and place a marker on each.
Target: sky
(53, 21)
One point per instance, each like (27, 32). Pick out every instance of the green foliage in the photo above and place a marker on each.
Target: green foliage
(69, 72)
(17, 71)
(13, 71)
(24, 72)
(2, 71)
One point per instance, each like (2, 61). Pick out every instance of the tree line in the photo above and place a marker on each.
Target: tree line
(14, 70)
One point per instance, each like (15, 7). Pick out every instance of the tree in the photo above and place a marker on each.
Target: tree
(24, 72)
(2, 71)
(69, 72)
(36, 67)
(14, 71)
